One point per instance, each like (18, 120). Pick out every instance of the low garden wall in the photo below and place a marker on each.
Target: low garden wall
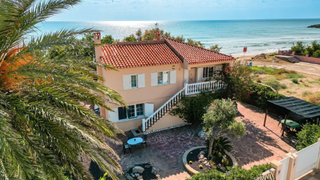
(308, 59)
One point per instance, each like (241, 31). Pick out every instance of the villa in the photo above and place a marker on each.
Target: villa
(152, 77)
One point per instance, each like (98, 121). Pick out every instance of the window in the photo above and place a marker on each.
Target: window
(208, 72)
(134, 83)
(131, 112)
(139, 109)
(122, 112)
(163, 77)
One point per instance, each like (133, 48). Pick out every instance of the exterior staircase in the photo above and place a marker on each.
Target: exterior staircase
(187, 90)
(291, 59)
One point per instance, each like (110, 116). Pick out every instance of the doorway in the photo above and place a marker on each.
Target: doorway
(192, 76)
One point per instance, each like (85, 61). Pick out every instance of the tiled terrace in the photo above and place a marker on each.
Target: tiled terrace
(165, 149)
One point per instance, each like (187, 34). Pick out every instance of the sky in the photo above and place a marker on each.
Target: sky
(175, 10)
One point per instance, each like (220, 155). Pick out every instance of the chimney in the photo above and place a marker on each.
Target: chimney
(97, 38)
(158, 35)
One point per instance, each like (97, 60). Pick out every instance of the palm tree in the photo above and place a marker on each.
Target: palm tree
(43, 127)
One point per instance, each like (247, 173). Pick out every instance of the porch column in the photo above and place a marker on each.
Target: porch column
(278, 166)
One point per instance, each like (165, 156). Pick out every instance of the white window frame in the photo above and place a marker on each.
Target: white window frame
(162, 78)
(134, 87)
(207, 73)
(135, 112)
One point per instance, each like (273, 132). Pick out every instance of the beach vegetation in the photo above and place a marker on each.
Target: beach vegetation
(314, 98)
(298, 48)
(301, 49)
(44, 126)
(295, 80)
(305, 93)
(275, 84)
(316, 54)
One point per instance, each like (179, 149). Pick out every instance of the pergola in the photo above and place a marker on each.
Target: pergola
(296, 109)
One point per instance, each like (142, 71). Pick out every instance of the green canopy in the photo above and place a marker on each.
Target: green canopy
(296, 109)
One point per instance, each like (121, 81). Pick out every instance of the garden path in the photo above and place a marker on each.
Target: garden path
(261, 144)
(165, 149)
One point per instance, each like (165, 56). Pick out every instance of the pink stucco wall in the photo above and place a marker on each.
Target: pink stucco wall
(309, 59)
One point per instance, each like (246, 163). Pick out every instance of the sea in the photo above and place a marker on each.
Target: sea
(259, 36)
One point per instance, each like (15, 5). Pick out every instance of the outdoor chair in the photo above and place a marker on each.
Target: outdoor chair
(144, 140)
(125, 147)
(130, 136)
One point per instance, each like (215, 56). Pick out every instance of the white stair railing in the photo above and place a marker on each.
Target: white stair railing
(189, 89)
(146, 123)
(268, 175)
(196, 88)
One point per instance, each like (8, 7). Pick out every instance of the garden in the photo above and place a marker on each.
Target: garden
(216, 113)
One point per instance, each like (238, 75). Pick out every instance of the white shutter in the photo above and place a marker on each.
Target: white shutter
(199, 74)
(126, 82)
(173, 77)
(218, 68)
(141, 81)
(154, 79)
(148, 109)
(113, 116)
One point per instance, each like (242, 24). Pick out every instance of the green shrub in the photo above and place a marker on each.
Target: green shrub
(275, 84)
(295, 80)
(316, 54)
(234, 174)
(308, 136)
(192, 108)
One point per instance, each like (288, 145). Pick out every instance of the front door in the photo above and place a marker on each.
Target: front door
(192, 76)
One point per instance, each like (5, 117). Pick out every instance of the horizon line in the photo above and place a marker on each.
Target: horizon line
(186, 20)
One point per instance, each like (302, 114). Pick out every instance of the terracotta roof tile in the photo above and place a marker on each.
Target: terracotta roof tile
(196, 55)
(153, 53)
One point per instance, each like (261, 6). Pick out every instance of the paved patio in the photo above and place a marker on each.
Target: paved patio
(165, 149)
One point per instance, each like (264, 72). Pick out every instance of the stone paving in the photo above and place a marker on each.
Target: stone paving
(165, 149)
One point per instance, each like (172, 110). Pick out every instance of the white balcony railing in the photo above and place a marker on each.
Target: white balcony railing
(197, 88)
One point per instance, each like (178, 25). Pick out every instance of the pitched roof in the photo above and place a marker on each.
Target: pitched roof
(129, 55)
(196, 55)
(160, 52)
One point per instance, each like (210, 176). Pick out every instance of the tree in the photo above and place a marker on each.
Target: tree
(220, 120)
(139, 35)
(215, 48)
(43, 124)
(108, 39)
(298, 48)
(130, 38)
(195, 43)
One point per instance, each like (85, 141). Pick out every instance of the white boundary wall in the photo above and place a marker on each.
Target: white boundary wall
(285, 166)
(308, 159)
